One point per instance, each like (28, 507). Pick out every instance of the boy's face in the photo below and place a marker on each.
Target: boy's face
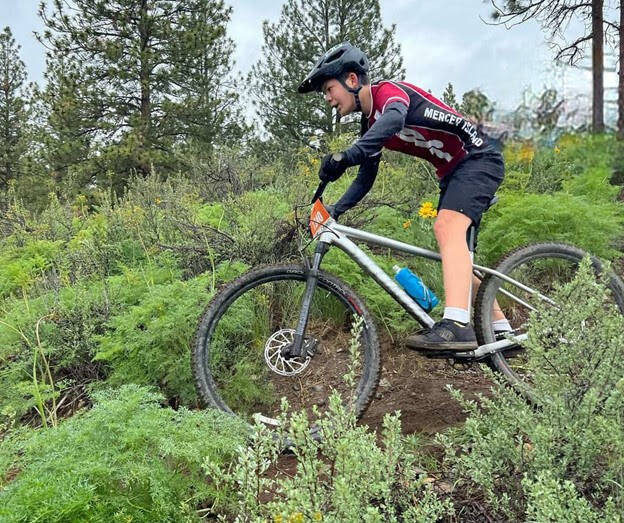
(337, 96)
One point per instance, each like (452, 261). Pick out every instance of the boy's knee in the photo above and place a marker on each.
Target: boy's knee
(450, 224)
(440, 227)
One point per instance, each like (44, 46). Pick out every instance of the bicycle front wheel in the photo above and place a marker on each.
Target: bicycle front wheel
(238, 361)
(542, 267)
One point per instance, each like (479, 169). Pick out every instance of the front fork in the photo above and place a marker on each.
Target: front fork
(298, 348)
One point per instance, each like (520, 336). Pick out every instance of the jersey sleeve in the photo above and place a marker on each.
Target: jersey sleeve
(388, 124)
(389, 93)
(360, 186)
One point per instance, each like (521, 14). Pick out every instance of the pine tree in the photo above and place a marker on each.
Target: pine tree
(448, 97)
(146, 64)
(68, 124)
(13, 108)
(304, 31)
(476, 105)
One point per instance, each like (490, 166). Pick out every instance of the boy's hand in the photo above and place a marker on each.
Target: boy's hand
(332, 167)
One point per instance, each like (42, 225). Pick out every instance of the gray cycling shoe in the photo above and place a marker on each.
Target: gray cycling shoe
(445, 335)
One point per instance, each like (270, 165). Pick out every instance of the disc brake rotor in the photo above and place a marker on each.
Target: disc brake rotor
(274, 358)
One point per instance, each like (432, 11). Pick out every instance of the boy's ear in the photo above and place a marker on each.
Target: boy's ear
(353, 80)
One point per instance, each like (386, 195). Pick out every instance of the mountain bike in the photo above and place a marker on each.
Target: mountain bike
(284, 330)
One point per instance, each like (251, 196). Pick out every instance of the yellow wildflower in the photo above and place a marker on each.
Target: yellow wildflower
(557, 150)
(526, 154)
(427, 210)
(297, 517)
(318, 516)
(407, 224)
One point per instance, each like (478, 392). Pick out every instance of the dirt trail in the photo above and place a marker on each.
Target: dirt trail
(416, 386)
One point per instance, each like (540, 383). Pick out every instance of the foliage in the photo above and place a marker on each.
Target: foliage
(563, 456)
(292, 46)
(126, 459)
(262, 225)
(476, 106)
(586, 206)
(13, 109)
(345, 475)
(124, 278)
(21, 266)
(66, 128)
(149, 73)
(149, 343)
(449, 98)
(58, 330)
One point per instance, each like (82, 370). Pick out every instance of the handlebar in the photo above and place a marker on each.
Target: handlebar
(319, 192)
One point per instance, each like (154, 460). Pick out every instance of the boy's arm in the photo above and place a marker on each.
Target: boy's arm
(367, 152)
(389, 123)
(360, 186)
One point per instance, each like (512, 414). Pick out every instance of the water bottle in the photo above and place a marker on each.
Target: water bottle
(415, 287)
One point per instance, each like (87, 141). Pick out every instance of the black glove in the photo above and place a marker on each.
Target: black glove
(332, 167)
(331, 209)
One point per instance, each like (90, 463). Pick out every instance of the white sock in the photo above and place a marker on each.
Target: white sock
(501, 325)
(456, 314)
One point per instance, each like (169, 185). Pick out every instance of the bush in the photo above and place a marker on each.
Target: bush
(58, 331)
(564, 456)
(127, 459)
(521, 218)
(346, 476)
(263, 227)
(149, 343)
(21, 266)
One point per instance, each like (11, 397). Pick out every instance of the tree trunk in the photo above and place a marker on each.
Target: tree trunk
(620, 124)
(598, 66)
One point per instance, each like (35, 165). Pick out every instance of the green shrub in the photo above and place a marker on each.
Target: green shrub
(59, 331)
(262, 226)
(593, 185)
(522, 218)
(20, 267)
(566, 454)
(346, 476)
(127, 459)
(149, 342)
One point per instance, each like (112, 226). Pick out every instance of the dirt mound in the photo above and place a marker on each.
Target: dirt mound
(416, 386)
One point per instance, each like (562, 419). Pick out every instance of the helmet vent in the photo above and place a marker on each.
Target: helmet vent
(335, 56)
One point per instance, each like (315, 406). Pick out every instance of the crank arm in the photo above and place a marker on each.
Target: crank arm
(490, 348)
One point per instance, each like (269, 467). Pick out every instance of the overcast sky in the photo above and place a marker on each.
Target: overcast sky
(442, 41)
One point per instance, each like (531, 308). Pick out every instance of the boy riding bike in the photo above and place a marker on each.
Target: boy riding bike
(403, 117)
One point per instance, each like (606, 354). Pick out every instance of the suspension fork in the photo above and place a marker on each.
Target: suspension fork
(298, 349)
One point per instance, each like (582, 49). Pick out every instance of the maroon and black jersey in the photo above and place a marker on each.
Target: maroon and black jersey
(405, 118)
(432, 130)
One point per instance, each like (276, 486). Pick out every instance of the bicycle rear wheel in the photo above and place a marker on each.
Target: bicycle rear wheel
(543, 267)
(237, 356)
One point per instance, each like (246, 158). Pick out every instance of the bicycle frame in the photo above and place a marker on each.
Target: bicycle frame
(328, 232)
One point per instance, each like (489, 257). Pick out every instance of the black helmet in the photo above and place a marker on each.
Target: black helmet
(334, 63)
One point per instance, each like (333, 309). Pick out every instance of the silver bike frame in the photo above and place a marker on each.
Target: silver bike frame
(333, 233)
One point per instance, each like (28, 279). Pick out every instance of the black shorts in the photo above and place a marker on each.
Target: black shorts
(471, 186)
